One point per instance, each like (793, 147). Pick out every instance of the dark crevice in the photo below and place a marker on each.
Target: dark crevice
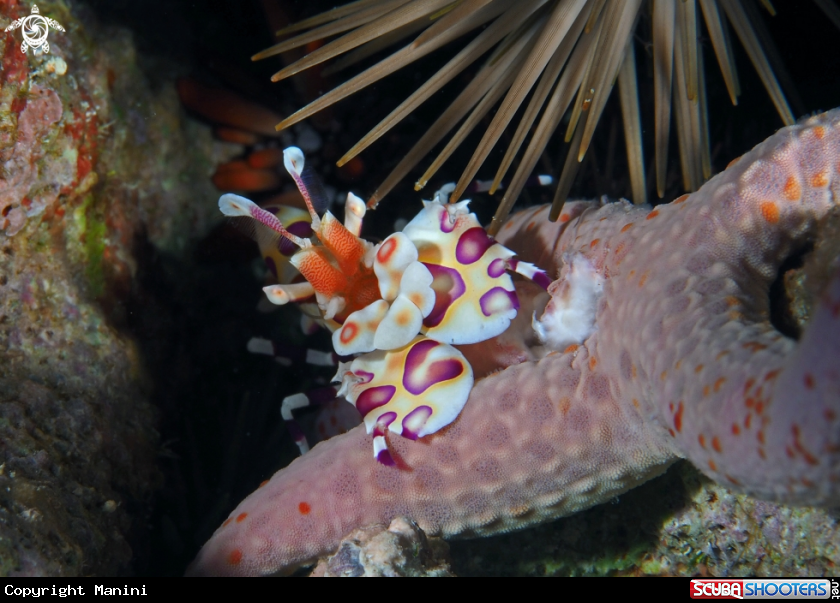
(782, 299)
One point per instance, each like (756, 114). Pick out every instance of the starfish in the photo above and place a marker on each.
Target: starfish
(683, 362)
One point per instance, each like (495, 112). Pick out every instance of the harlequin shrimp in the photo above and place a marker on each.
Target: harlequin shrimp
(399, 306)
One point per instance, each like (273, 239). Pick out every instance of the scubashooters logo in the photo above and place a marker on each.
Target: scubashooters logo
(751, 588)
(35, 28)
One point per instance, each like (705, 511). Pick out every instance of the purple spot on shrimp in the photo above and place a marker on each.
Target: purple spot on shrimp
(382, 422)
(272, 267)
(446, 224)
(415, 421)
(472, 244)
(385, 458)
(374, 397)
(302, 229)
(541, 278)
(295, 431)
(366, 377)
(417, 354)
(448, 286)
(285, 246)
(496, 268)
(498, 300)
(418, 377)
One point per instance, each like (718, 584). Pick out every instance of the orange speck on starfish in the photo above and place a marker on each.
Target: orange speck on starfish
(819, 180)
(753, 346)
(564, 404)
(678, 417)
(304, 508)
(792, 189)
(235, 557)
(769, 211)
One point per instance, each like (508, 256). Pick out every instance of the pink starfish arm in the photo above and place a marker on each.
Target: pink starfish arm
(683, 327)
(682, 351)
(523, 450)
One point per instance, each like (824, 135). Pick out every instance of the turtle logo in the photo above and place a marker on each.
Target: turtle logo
(35, 28)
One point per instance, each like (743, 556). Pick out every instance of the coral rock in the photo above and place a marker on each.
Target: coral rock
(401, 550)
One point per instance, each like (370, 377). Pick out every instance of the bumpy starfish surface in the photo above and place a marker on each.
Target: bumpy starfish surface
(683, 362)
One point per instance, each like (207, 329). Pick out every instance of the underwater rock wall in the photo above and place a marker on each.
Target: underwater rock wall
(96, 162)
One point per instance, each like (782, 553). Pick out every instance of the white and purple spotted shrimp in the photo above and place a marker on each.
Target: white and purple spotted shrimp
(401, 305)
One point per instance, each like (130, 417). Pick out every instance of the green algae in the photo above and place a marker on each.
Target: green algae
(91, 230)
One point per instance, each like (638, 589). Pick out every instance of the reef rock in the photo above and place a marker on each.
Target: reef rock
(93, 160)
(401, 550)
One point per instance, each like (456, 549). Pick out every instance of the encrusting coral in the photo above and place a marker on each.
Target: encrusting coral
(683, 362)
